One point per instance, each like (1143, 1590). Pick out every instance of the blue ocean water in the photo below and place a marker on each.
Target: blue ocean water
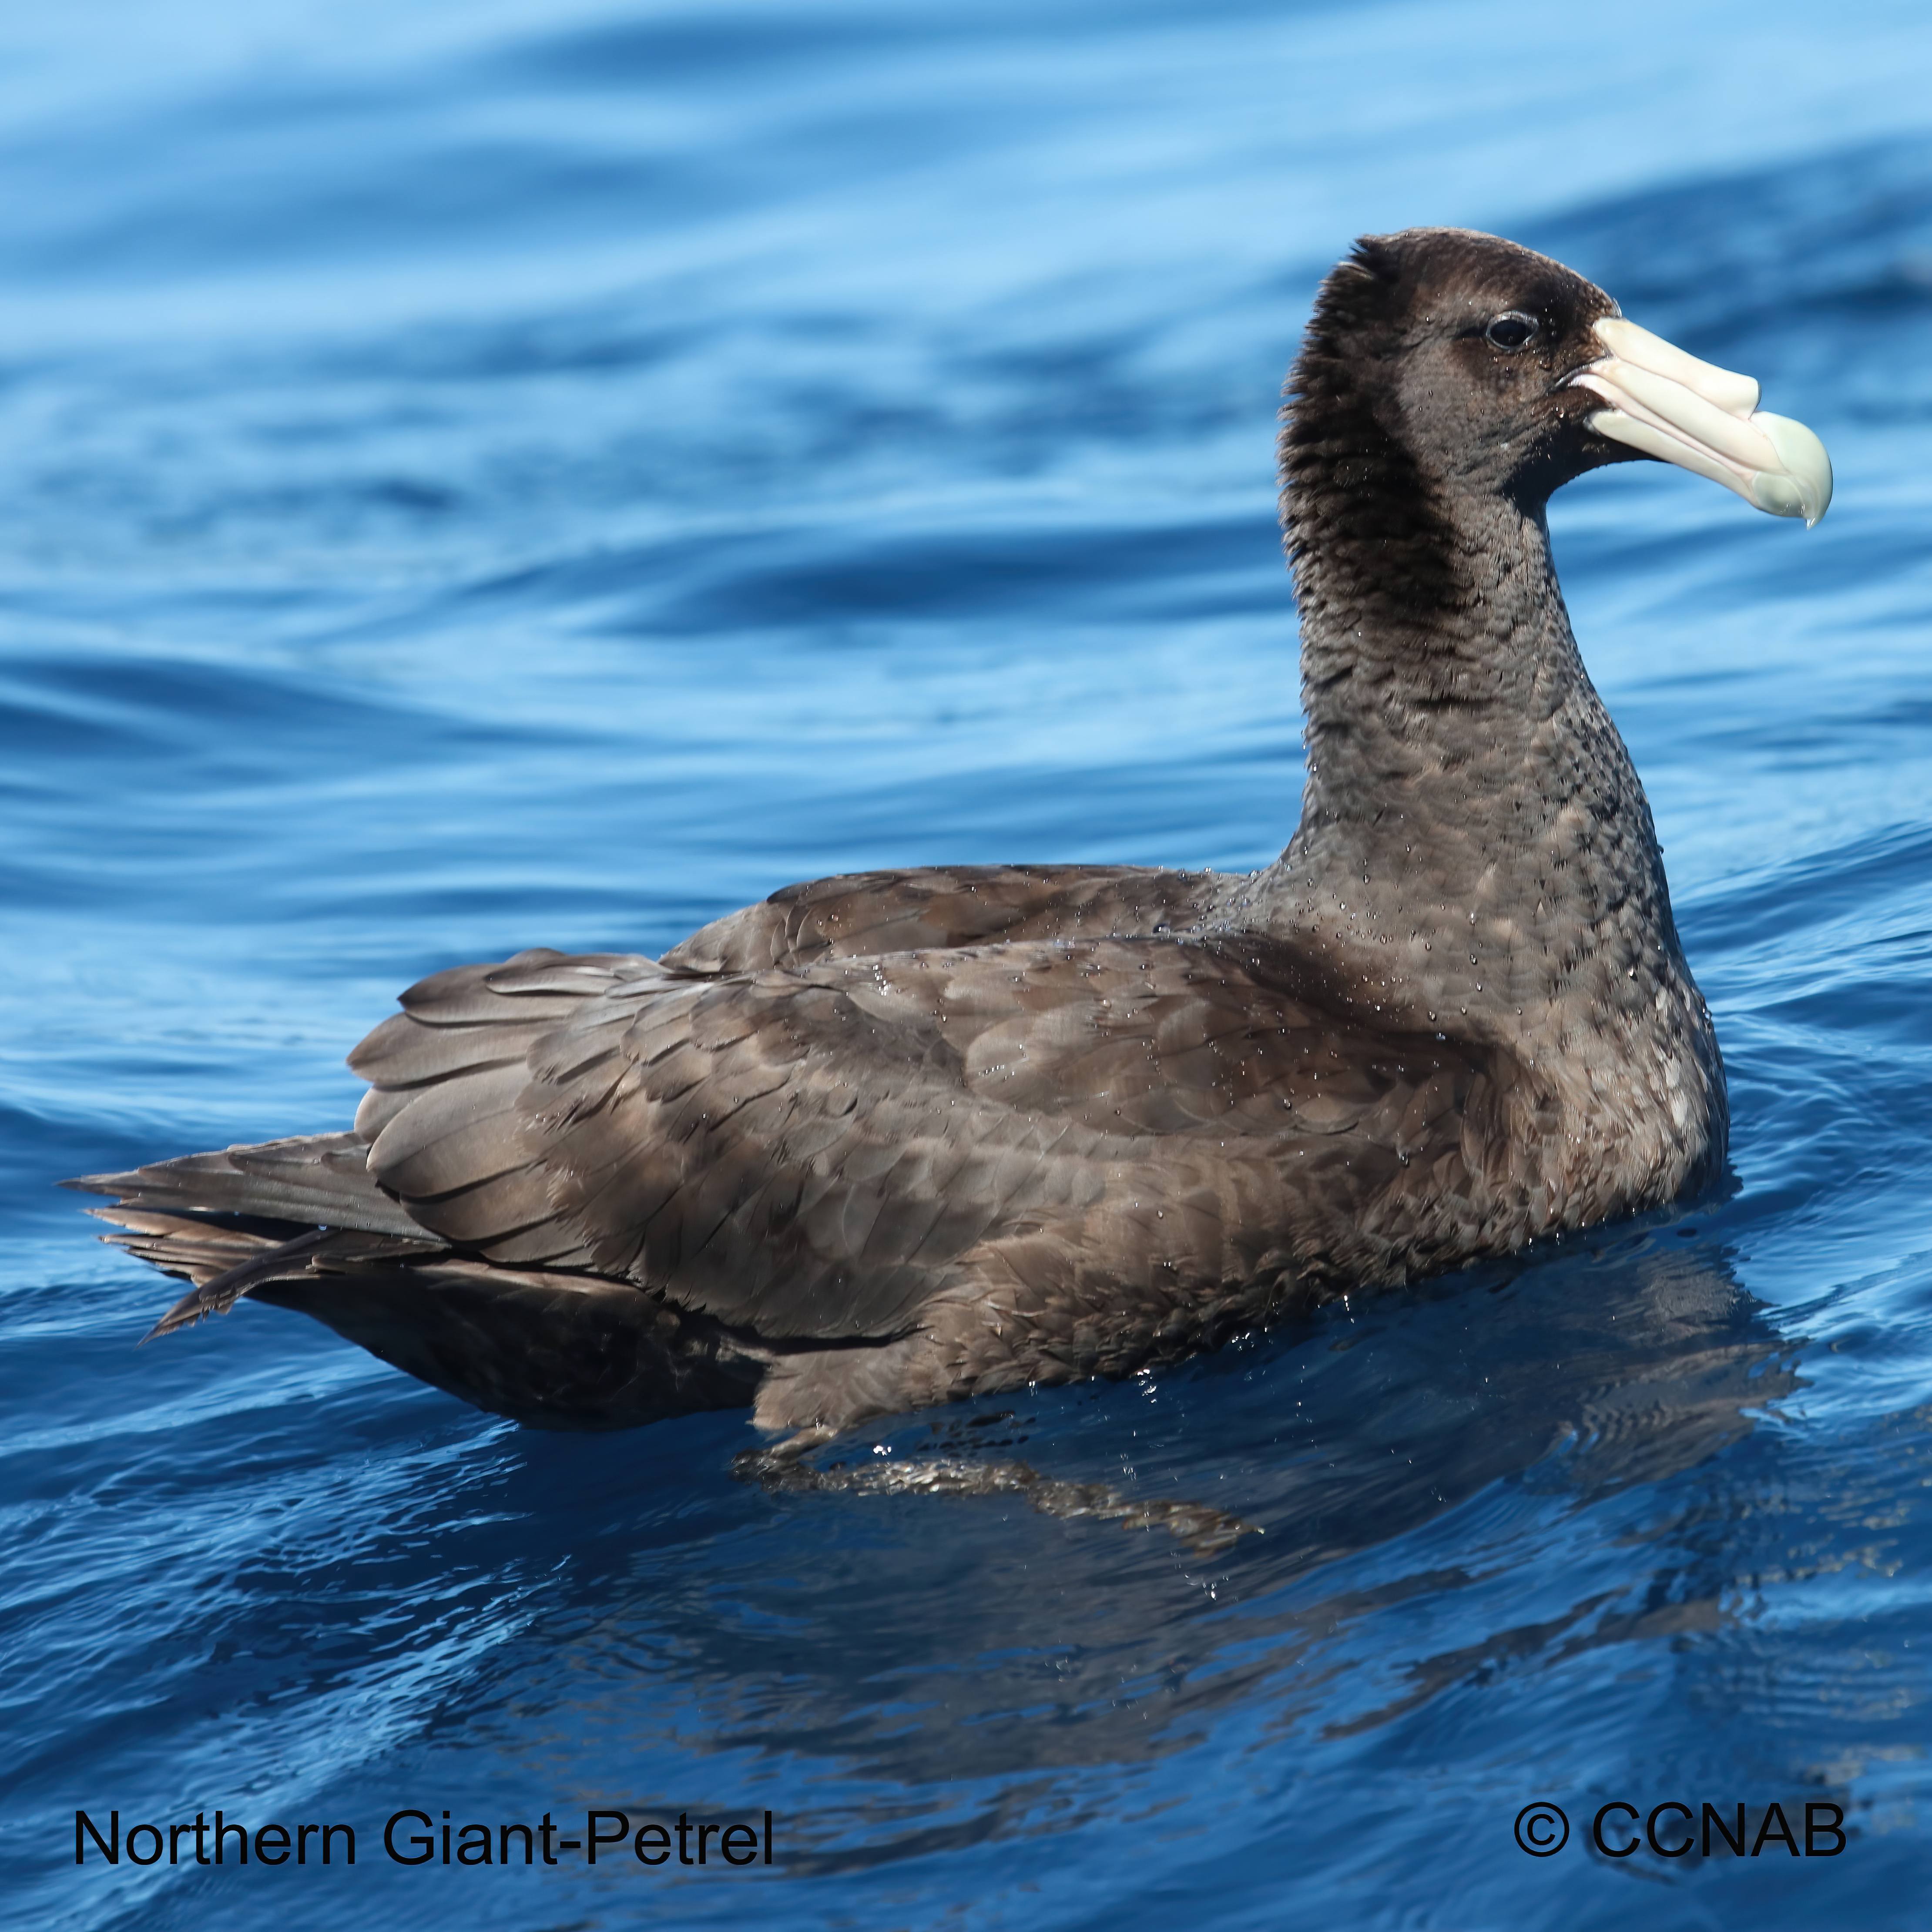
(480, 475)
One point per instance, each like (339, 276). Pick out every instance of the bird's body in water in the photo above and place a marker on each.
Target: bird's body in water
(896, 1138)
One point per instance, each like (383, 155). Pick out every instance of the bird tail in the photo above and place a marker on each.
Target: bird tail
(298, 1223)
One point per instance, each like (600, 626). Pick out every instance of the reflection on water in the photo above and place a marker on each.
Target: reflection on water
(1537, 1395)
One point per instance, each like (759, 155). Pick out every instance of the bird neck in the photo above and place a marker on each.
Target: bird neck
(1475, 848)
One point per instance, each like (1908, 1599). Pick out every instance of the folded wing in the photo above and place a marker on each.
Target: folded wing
(818, 1152)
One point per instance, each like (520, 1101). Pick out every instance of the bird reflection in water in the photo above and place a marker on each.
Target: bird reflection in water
(1405, 1458)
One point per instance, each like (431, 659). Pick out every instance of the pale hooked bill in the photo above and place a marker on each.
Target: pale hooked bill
(1671, 406)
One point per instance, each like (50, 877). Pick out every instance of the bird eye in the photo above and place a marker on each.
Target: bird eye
(1512, 331)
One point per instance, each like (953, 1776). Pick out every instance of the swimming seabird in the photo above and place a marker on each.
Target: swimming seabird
(894, 1138)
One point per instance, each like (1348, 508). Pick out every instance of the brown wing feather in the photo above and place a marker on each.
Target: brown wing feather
(830, 1152)
(309, 1180)
(860, 915)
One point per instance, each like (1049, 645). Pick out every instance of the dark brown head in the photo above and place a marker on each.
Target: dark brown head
(1436, 371)
(1449, 377)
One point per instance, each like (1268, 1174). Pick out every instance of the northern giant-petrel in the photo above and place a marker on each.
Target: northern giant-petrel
(893, 1137)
